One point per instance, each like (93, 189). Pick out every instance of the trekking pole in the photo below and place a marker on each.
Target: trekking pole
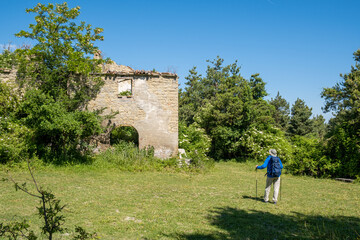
(280, 187)
(256, 181)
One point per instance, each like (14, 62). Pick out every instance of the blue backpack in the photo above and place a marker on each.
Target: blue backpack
(275, 170)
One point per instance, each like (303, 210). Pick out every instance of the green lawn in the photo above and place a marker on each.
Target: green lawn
(220, 204)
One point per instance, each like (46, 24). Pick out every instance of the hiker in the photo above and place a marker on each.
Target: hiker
(274, 166)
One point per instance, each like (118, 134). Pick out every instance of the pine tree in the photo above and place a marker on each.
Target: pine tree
(300, 122)
(281, 114)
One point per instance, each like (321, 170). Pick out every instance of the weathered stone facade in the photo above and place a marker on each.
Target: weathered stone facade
(150, 104)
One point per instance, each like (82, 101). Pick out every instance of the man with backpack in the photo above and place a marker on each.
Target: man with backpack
(274, 166)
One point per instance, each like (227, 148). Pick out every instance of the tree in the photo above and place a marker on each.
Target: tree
(258, 87)
(225, 110)
(344, 133)
(281, 113)
(319, 127)
(60, 78)
(300, 122)
(225, 105)
(59, 64)
(192, 98)
(344, 97)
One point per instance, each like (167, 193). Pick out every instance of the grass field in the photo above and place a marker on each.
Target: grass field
(220, 204)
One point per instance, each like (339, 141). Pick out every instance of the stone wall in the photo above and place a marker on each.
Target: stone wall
(7, 75)
(150, 105)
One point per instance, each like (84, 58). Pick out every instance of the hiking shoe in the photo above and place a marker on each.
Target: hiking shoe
(265, 201)
(275, 203)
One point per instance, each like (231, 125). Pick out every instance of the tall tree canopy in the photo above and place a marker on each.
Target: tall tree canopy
(300, 122)
(192, 98)
(60, 63)
(226, 105)
(281, 114)
(58, 75)
(344, 137)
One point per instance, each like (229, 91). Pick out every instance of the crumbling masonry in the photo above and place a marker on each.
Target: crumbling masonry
(145, 100)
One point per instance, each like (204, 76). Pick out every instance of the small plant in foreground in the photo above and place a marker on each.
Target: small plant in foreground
(49, 210)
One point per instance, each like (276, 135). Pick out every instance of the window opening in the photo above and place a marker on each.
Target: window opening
(125, 88)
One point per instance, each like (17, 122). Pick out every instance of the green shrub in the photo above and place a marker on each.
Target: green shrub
(14, 143)
(343, 146)
(59, 135)
(13, 136)
(256, 144)
(309, 158)
(196, 143)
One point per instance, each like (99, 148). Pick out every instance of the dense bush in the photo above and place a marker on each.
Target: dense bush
(14, 141)
(59, 135)
(343, 147)
(309, 158)
(256, 144)
(196, 143)
(14, 137)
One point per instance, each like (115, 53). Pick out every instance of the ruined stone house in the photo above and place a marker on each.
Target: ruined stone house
(145, 100)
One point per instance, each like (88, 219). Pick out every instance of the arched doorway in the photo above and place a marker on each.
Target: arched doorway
(124, 133)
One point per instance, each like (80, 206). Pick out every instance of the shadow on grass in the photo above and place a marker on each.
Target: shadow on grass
(235, 223)
(259, 199)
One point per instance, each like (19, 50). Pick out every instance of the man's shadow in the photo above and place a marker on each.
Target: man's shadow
(259, 199)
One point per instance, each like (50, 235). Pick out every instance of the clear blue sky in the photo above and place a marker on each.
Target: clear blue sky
(298, 47)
